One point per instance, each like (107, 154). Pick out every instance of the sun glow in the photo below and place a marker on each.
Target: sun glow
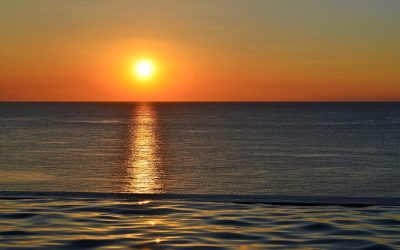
(144, 69)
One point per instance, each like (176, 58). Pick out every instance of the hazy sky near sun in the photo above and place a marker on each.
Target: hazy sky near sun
(205, 50)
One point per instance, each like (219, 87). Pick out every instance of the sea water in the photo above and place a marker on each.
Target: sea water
(295, 149)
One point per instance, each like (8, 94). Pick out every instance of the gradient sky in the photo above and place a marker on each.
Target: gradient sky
(206, 50)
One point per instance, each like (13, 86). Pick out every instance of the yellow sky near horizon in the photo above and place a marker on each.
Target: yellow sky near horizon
(224, 50)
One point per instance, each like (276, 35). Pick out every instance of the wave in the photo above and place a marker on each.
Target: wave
(81, 223)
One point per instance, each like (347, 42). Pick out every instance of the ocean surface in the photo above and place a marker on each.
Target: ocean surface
(295, 149)
(200, 175)
(77, 223)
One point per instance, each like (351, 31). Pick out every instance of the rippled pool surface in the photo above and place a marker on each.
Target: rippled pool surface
(171, 224)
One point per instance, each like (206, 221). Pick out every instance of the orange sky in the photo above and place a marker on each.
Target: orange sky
(225, 50)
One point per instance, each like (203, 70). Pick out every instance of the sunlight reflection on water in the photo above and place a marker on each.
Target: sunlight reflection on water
(106, 223)
(143, 166)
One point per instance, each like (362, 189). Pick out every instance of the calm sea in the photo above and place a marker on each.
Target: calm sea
(296, 149)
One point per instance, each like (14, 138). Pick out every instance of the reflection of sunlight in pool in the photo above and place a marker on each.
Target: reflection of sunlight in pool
(144, 160)
(143, 202)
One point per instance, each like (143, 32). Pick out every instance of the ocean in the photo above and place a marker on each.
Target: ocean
(200, 175)
(296, 149)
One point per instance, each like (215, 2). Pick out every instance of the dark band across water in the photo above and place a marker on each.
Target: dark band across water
(266, 199)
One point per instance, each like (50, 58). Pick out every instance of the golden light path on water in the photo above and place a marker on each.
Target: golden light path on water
(144, 159)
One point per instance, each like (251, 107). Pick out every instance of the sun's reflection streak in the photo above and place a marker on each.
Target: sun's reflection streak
(144, 160)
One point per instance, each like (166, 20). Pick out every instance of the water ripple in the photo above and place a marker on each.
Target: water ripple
(65, 223)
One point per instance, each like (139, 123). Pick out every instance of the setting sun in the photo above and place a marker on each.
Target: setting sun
(144, 69)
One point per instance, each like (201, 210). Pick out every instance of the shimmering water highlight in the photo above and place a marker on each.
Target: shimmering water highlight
(49, 223)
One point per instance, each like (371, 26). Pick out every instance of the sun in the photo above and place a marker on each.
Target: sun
(144, 69)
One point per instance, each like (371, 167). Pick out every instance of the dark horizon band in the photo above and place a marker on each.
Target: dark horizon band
(265, 199)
